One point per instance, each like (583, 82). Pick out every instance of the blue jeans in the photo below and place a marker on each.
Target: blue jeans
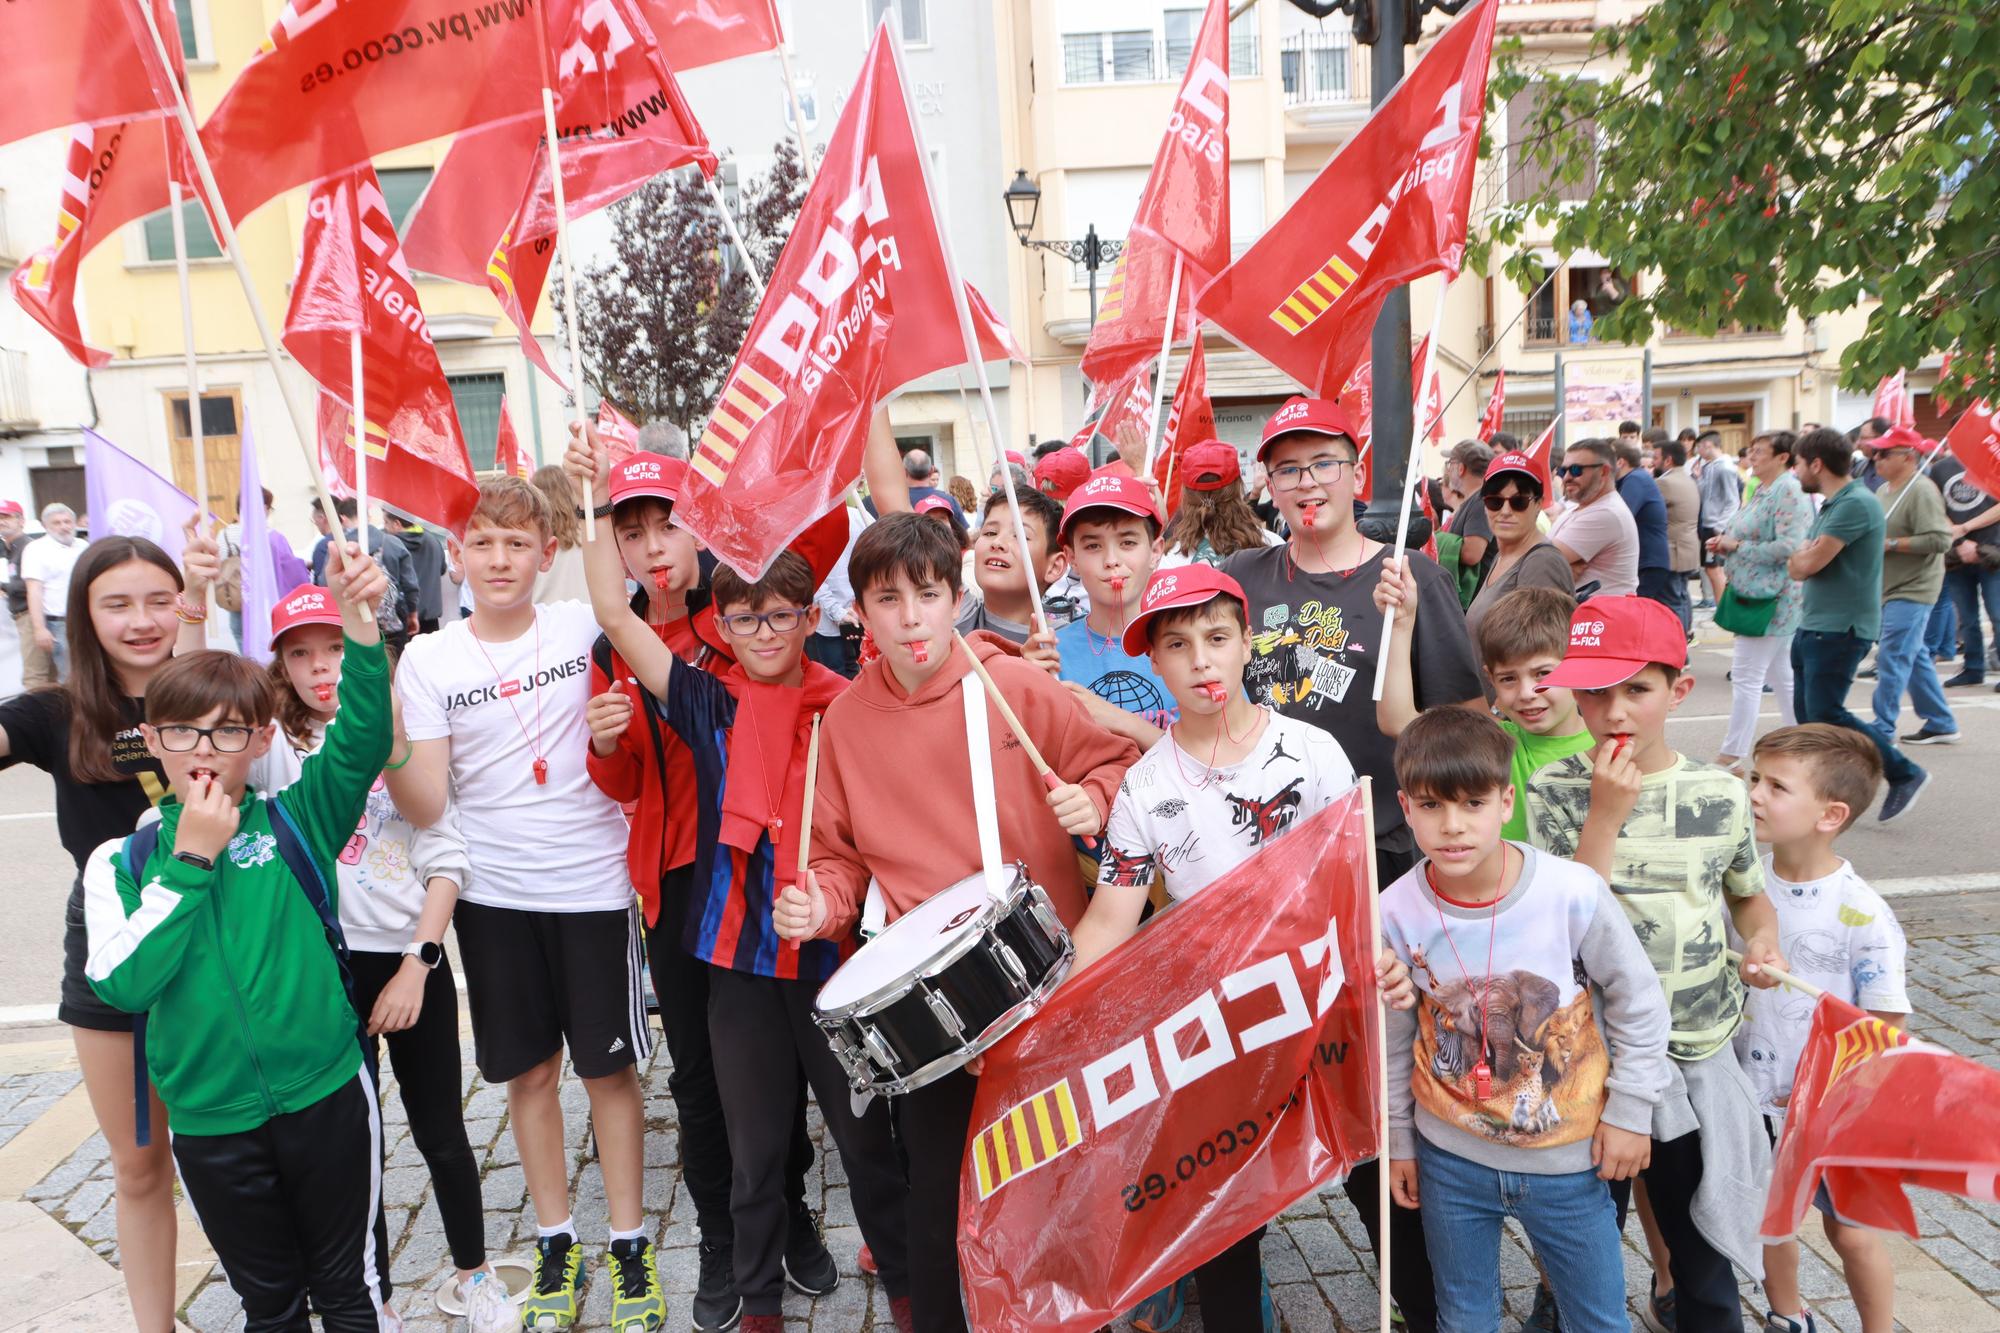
(1941, 638)
(1823, 666)
(1903, 658)
(1570, 1221)
(1970, 585)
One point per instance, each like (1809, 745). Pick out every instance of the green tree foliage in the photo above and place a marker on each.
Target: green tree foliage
(1785, 156)
(665, 313)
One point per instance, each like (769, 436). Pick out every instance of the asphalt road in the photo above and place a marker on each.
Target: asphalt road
(1949, 833)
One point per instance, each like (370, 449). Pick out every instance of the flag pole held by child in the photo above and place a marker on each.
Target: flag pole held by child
(1382, 1204)
(1779, 975)
(1411, 475)
(188, 355)
(562, 251)
(1154, 431)
(806, 815)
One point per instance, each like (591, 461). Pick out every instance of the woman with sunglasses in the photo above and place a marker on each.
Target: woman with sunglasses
(1520, 556)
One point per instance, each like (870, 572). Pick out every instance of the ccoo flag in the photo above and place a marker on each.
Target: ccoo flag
(351, 278)
(1389, 207)
(88, 62)
(858, 303)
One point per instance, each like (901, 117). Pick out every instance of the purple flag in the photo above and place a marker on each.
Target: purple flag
(259, 561)
(128, 499)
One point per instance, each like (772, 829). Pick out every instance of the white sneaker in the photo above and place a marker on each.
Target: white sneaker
(487, 1307)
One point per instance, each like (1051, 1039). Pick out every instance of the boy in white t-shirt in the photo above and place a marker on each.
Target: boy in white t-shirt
(1807, 784)
(548, 927)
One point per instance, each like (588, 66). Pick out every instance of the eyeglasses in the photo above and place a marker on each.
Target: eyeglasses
(1325, 471)
(1516, 502)
(745, 624)
(1575, 470)
(223, 740)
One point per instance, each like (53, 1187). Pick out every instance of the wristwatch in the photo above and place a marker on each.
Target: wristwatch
(425, 952)
(601, 511)
(195, 859)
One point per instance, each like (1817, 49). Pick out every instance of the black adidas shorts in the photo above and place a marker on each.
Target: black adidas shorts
(537, 980)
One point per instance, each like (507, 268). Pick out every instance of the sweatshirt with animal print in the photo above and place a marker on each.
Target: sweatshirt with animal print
(1541, 988)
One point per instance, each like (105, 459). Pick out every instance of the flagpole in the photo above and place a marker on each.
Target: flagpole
(195, 436)
(1779, 975)
(735, 236)
(360, 439)
(792, 91)
(965, 329)
(979, 458)
(562, 253)
(1160, 379)
(184, 117)
(1412, 472)
(1382, 1202)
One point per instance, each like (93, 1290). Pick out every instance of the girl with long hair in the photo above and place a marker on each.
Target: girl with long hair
(129, 611)
(563, 581)
(1215, 519)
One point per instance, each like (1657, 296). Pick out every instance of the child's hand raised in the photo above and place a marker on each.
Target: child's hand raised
(356, 579)
(587, 460)
(1615, 779)
(1041, 650)
(1396, 593)
(1075, 811)
(201, 558)
(800, 911)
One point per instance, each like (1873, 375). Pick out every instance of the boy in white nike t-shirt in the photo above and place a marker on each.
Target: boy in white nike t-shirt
(1227, 777)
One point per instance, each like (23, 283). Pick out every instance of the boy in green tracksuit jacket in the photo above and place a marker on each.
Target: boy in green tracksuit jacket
(251, 1038)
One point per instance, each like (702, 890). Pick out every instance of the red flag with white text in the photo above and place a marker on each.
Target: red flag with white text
(508, 456)
(1429, 409)
(1149, 1117)
(858, 303)
(1127, 333)
(1893, 403)
(88, 62)
(1496, 407)
(617, 430)
(1186, 200)
(703, 32)
(1974, 440)
(1874, 1111)
(1388, 208)
(1190, 420)
(352, 278)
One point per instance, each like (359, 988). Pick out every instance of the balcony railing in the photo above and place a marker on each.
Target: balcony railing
(16, 408)
(1092, 58)
(1323, 69)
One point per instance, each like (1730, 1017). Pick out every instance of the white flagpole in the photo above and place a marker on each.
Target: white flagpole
(965, 328)
(1160, 379)
(735, 236)
(360, 440)
(979, 458)
(1382, 1203)
(792, 91)
(562, 253)
(188, 354)
(184, 116)
(1411, 472)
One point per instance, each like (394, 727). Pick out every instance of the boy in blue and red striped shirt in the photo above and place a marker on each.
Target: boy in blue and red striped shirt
(747, 731)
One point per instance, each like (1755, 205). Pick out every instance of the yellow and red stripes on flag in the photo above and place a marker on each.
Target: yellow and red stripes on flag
(1113, 304)
(1858, 1043)
(377, 438)
(1313, 297)
(1033, 1133)
(69, 216)
(746, 400)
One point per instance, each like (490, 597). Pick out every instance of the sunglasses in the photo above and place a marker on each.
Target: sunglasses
(1516, 502)
(1575, 470)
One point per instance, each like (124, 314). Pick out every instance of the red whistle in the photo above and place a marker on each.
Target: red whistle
(1215, 690)
(660, 579)
(920, 649)
(541, 772)
(1482, 1081)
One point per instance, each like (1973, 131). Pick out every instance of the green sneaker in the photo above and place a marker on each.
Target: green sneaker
(552, 1297)
(637, 1303)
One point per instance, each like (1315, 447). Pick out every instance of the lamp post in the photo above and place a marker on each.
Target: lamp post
(1024, 200)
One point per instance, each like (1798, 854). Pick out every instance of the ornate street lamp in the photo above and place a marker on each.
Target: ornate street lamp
(1023, 199)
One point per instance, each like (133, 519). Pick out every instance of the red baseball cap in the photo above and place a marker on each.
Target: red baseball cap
(1903, 437)
(306, 604)
(1613, 639)
(1524, 464)
(1210, 465)
(1306, 416)
(930, 504)
(1169, 589)
(12, 507)
(1064, 470)
(1017, 458)
(639, 475)
(1109, 491)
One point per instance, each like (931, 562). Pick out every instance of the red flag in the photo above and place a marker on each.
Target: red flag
(859, 302)
(1127, 333)
(1544, 442)
(1893, 403)
(508, 456)
(1389, 207)
(352, 276)
(702, 32)
(1974, 440)
(1357, 395)
(1429, 409)
(1873, 1111)
(1190, 420)
(1108, 1157)
(617, 430)
(1186, 202)
(1496, 407)
(81, 61)
(1430, 516)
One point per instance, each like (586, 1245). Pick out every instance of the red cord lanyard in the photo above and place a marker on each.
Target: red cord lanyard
(1292, 561)
(777, 823)
(1482, 1073)
(1090, 635)
(1174, 746)
(534, 741)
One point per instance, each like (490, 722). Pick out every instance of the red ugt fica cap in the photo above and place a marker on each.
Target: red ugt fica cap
(12, 507)
(1210, 465)
(1109, 491)
(306, 605)
(1169, 589)
(1306, 416)
(653, 475)
(1613, 639)
(1061, 472)
(1521, 463)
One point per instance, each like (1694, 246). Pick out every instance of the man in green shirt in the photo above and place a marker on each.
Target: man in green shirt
(1912, 578)
(1841, 567)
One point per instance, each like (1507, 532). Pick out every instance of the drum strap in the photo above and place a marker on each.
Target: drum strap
(985, 810)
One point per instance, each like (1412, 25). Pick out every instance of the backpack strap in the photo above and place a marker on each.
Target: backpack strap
(297, 856)
(139, 849)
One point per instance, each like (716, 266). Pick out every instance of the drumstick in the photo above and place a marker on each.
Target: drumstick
(806, 823)
(1049, 778)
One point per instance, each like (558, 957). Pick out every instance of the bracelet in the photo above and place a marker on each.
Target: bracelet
(390, 768)
(601, 511)
(189, 613)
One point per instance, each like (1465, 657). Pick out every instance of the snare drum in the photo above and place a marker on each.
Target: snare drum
(942, 983)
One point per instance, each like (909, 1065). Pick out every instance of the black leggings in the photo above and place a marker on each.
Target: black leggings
(430, 1080)
(1232, 1285)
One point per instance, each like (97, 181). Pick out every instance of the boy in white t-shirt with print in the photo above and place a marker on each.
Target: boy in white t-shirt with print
(548, 927)
(1807, 784)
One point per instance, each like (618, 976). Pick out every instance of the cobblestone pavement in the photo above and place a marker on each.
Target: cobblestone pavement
(1315, 1256)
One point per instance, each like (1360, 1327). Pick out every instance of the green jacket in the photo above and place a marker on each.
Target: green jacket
(247, 1017)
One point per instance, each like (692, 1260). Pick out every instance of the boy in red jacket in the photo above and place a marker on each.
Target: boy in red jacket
(907, 703)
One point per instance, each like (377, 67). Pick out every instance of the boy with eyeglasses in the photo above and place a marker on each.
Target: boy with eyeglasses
(1597, 533)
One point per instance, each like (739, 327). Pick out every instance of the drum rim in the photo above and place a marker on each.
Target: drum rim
(881, 997)
(1002, 1027)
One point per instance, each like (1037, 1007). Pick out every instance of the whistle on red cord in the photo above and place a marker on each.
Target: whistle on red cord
(660, 579)
(1216, 691)
(920, 649)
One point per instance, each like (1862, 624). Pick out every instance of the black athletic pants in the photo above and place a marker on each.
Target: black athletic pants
(764, 1037)
(680, 983)
(430, 1080)
(1232, 1285)
(294, 1210)
(932, 1124)
(1705, 1294)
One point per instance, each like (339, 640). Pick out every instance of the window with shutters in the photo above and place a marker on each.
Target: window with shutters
(1527, 177)
(477, 398)
(159, 231)
(221, 438)
(916, 26)
(401, 188)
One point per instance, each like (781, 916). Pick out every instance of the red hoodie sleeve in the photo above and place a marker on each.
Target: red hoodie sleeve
(836, 860)
(620, 774)
(1077, 748)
